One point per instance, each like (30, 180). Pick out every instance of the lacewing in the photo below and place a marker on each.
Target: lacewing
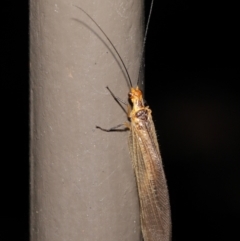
(147, 162)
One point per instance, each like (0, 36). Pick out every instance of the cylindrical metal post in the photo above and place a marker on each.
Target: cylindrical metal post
(82, 182)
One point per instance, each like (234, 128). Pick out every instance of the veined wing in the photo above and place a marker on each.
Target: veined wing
(151, 182)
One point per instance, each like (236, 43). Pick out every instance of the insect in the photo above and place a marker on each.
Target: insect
(146, 159)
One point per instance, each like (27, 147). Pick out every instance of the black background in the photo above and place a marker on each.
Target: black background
(14, 178)
(192, 75)
(192, 86)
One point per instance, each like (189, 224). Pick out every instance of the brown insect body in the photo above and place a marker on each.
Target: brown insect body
(150, 177)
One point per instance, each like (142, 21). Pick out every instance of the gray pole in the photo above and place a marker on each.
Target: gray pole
(82, 182)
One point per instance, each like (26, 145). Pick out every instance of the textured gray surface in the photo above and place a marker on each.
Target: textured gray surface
(82, 182)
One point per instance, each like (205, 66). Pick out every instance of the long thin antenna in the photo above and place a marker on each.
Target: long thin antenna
(124, 66)
(144, 41)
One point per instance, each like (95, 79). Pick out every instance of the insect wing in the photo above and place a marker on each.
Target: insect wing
(151, 182)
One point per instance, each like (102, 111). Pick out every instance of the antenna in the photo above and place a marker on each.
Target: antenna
(143, 45)
(144, 42)
(124, 66)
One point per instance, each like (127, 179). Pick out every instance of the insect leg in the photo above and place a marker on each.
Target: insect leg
(115, 128)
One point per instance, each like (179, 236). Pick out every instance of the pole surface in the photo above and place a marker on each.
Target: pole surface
(82, 182)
